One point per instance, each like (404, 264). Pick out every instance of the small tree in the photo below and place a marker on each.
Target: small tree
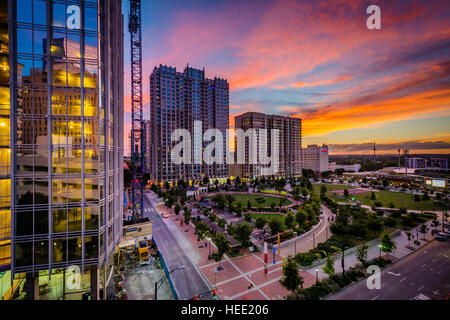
(423, 229)
(346, 193)
(291, 278)
(249, 205)
(242, 233)
(260, 222)
(200, 230)
(435, 222)
(223, 246)
(329, 266)
(387, 244)
(373, 196)
(289, 220)
(275, 226)
(248, 217)
(323, 189)
(361, 253)
(408, 234)
(187, 216)
(177, 209)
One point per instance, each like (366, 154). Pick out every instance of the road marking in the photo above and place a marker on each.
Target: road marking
(375, 297)
(423, 265)
(394, 274)
(402, 280)
(421, 287)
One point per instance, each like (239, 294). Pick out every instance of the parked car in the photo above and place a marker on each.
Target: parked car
(447, 233)
(440, 236)
(434, 231)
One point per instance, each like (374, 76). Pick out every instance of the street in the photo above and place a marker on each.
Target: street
(177, 252)
(426, 271)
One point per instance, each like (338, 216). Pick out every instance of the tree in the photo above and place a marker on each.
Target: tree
(425, 196)
(177, 208)
(301, 217)
(187, 216)
(291, 278)
(230, 198)
(223, 246)
(260, 222)
(373, 196)
(221, 222)
(248, 217)
(275, 226)
(329, 266)
(387, 244)
(423, 229)
(289, 220)
(346, 194)
(323, 189)
(416, 198)
(242, 232)
(385, 183)
(361, 253)
(200, 230)
(408, 234)
(435, 222)
(249, 205)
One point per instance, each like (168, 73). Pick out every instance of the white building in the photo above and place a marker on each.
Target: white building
(315, 158)
(347, 167)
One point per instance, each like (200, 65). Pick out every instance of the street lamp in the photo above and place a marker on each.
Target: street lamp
(317, 275)
(295, 243)
(380, 250)
(164, 277)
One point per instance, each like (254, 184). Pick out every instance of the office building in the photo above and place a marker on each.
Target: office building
(289, 144)
(347, 167)
(177, 100)
(61, 123)
(315, 158)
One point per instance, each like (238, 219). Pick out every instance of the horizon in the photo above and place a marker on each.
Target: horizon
(349, 84)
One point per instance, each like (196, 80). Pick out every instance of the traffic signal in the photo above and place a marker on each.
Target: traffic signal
(195, 297)
(214, 292)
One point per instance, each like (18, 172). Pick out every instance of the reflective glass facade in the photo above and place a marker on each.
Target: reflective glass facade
(61, 141)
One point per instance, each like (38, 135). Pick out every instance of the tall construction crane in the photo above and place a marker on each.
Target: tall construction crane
(137, 119)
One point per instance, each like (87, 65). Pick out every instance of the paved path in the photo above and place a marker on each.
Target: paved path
(319, 234)
(401, 251)
(426, 271)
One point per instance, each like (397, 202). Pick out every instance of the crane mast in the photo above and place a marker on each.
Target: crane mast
(137, 121)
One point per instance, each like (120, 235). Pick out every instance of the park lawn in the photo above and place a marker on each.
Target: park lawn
(243, 199)
(399, 199)
(269, 217)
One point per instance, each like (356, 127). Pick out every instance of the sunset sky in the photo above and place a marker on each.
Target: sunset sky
(318, 61)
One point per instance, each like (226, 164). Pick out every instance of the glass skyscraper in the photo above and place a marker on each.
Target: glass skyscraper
(61, 145)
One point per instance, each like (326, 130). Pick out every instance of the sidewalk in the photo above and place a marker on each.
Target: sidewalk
(374, 252)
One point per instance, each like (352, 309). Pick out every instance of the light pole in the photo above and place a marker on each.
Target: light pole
(314, 240)
(380, 250)
(317, 275)
(295, 243)
(164, 277)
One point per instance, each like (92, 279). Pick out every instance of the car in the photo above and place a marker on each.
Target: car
(446, 233)
(434, 231)
(440, 236)
(421, 296)
(166, 215)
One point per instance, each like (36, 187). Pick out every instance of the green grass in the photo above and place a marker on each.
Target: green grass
(243, 199)
(399, 199)
(269, 217)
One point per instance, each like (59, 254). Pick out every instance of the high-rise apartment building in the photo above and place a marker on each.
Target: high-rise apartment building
(177, 101)
(289, 143)
(315, 158)
(61, 128)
